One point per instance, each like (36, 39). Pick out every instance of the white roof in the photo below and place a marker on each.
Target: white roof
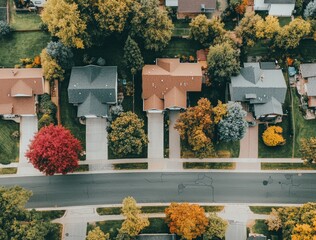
(172, 3)
(281, 10)
(261, 6)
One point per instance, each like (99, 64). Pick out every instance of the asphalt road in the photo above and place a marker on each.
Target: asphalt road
(91, 189)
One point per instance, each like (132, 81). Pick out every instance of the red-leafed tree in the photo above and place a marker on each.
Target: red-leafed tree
(54, 150)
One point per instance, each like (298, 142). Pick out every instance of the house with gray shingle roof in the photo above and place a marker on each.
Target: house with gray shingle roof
(264, 90)
(93, 88)
(308, 72)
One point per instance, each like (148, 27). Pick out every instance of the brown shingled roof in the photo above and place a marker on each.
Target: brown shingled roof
(194, 6)
(169, 80)
(18, 90)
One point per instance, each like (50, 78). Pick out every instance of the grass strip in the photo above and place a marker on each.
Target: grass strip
(10, 170)
(287, 166)
(207, 165)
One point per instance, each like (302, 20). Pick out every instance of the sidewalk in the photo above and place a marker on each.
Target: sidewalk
(75, 220)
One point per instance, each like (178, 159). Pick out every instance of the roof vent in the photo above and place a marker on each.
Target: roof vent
(202, 7)
(261, 77)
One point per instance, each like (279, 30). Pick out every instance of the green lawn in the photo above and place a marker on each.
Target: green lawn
(303, 128)
(259, 49)
(261, 227)
(306, 51)
(157, 225)
(287, 166)
(204, 165)
(9, 146)
(24, 20)
(68, 114)
(262, 209)
(284, 151)
(21, 45)
(284, 21)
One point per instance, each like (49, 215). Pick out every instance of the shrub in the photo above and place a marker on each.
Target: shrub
(272, 136)
(15, 134)
(46, 120)
(46, 105)
(5, 29)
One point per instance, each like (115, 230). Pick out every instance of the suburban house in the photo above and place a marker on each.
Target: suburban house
(261, 88)
(308, 73)
(19, 91)
(190, 9)
(165, 86)
(279, 8)
(93, 88)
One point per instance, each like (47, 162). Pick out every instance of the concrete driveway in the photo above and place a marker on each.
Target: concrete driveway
(155, 134)
(28, 128)
(97, 142)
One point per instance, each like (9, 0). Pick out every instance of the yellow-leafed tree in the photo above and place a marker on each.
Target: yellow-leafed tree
(97, 234)
(186, 220)
(272, 136)
(134, 222)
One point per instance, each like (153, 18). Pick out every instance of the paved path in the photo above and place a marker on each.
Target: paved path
(28, 128)
(174, 137)
(155, 134)
(96, 142)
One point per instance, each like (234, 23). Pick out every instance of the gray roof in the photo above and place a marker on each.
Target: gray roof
(92, 88)
(308, 70)
(251, 74)
(271, 84)
(271, 107)
(267, 65)
(280, 1)
(311, 87)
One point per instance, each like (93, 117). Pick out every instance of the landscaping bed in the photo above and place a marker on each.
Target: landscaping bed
(10, 170)
(21, 45)
(262, 209)
(208, 165)
(130, 166)
(9, 145)
(261, 227)
(287, 166)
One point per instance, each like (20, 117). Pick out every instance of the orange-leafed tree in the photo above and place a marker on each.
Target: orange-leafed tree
(272, 136)
(196, 126)
(186, 220)
(54, 150)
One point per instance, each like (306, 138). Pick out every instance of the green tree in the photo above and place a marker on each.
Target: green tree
(52, 70)
(308, 149)
(18, 223)
(132, 56)
(126, 135)
(223, 62)
(290, 35)
(205, 31)
(310, 10)
(216, 228)
(134, 222)
(45, 120)
(153, 25)
(64, 21)
(97, 234)
(248, 27)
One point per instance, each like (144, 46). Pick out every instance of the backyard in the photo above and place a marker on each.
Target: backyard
(21, 45)
(9, 145)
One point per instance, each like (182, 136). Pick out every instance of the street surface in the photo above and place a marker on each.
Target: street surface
(97, 189)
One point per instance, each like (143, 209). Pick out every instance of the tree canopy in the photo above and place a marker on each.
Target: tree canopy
(272, 136)
(206, 31)
(308, 149)
(134, 222)
(233, 125)
(97, 234)
(18, 223)
(126, 135)
(310, 10)
(196, 126)
(52, 70)
(186, 220)
(54, 150)
(61, 54)
(132, 56)
(216, 228)
(223, 62)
